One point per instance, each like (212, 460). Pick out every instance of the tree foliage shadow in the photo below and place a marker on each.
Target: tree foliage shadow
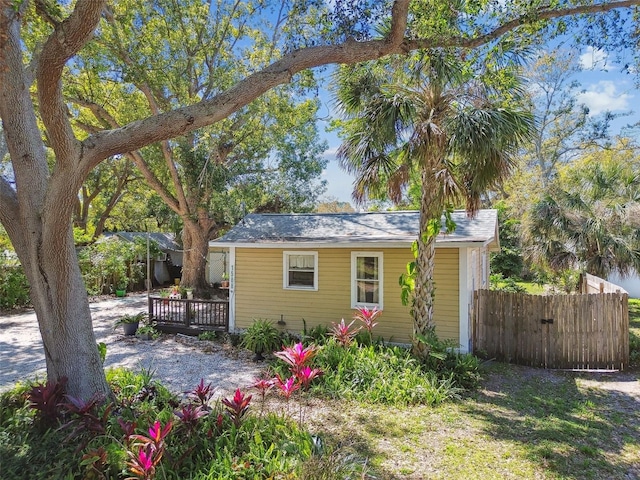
(573, 431)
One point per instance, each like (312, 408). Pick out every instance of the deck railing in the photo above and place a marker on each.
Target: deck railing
(189, 316)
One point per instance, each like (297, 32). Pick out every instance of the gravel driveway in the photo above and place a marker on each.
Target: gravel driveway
(178, 361)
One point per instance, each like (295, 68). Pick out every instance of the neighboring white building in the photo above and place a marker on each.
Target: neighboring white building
(631, 283)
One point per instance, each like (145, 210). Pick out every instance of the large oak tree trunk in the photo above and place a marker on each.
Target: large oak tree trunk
(195, 242)
(60, 301)
(37, 214)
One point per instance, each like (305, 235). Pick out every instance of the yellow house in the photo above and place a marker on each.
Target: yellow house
(320, 267)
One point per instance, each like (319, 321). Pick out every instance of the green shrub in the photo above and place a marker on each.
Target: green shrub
(261, 337)
(207, 336)
(318, 334)
(112, 263)
(496, 282)
(376, 373)
(14, 288)
(462, 369)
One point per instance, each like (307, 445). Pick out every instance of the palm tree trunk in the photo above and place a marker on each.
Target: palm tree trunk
(424, 293)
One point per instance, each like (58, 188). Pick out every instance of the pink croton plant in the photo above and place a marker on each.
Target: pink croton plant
(343, 333)
(297, 356)
(367, 317)
(143, 463)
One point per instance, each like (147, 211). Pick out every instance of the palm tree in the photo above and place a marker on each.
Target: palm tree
(439, 123)
(589, 219)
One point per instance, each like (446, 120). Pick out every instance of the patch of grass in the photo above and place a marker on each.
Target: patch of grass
(527, 287)
(523, 423)
(532, 288)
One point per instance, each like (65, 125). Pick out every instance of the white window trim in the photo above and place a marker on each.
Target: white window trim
(354, 290)
(285, 270)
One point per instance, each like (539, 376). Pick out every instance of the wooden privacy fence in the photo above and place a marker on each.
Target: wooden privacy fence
(553, 331)
(189, 316)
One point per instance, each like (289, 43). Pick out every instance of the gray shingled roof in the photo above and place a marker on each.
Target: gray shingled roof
(340, 228)
(166, 241)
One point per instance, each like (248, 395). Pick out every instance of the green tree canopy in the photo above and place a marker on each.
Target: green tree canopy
(263, 156)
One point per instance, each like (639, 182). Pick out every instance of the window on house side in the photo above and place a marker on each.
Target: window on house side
(300, 270)
(366, 279)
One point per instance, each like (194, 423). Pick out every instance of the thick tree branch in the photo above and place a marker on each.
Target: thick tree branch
(66, 40)
(154, 182)
(24, 141)
(186, 119)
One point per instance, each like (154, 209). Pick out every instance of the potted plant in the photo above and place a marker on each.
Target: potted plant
(164, 294)
(121, 288)
(130, 323)
(261, 337)
(224, 283)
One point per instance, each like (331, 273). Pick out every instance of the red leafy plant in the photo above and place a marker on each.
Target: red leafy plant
(306, 375)
(343, 333)
(288, 386)
(297, 356)
(128, 428)
(143, 462)
(367, 317)
(190, 414)
(237, 406)
(264, 385)
(202, 393)
(85, 417)
(47, 399)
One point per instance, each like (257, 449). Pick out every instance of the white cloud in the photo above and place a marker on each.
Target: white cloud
(604, 96)
(592, 58)
(330, 152)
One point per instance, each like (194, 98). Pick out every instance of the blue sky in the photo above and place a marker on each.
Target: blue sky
(604, 87)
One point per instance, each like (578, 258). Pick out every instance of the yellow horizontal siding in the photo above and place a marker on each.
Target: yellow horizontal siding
(259, 292)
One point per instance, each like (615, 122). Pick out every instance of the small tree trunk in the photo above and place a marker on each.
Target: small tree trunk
(424, 293)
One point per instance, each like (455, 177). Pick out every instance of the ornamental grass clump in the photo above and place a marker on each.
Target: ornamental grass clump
(261, 337)
(380, 374)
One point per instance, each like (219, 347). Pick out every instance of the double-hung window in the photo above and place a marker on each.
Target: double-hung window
(300, 270)
(366, 279)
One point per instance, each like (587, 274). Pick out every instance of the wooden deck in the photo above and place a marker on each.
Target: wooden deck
(190, 317)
